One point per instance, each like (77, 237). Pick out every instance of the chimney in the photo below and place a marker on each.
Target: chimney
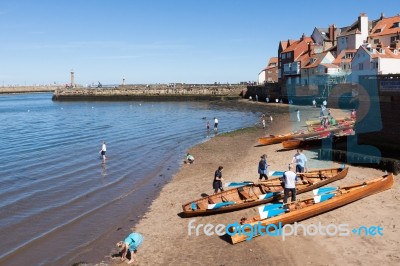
(332, 36)
(382, 15)
(309, 49)
(363, 25)
(302, 37)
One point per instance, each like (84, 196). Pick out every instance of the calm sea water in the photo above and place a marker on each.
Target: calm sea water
(57, 199)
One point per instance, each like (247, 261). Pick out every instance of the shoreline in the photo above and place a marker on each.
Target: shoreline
(166, 234)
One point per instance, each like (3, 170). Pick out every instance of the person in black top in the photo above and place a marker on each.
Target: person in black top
(217, 183)
(263, 167)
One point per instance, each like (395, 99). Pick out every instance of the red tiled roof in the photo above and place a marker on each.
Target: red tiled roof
(387, 54)
(341, 57)
(329, 65)
(273, 60)
(318, 59)
(296, 44)
(386, 25)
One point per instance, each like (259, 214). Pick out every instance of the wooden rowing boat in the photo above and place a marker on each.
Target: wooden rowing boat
(293, 212)
(316, 140)
(318, 122)
(259, 193)
(272, 139)
(317, 128)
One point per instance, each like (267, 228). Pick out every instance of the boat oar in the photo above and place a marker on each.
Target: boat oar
(323, 190)
(219, 205)
(238, 184)
(275, 173)
(269, 195)
(268, 211)
(323, 197)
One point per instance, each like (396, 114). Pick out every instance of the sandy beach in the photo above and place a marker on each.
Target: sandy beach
(166, 234)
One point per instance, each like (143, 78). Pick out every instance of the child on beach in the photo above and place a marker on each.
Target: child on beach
(131, 244)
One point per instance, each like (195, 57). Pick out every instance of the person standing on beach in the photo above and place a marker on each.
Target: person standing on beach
(263, 167)
(298, 115)
(353, 114)
(263, 122)
(314, 103)
(270, 117)
(217, 183)
(290, 180)
(215, 124)
(103, 151)
(208, 125)
(300, 159)
(131, 244)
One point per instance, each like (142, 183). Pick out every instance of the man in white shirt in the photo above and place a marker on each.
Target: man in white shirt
(290, 180)
(103, 151)
(215, 124)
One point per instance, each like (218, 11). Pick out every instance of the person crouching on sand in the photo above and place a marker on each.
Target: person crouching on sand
(189, 158)
(217, 183)
(131, 244)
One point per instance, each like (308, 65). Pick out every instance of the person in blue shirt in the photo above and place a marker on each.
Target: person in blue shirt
(131, 244)
(301, 160)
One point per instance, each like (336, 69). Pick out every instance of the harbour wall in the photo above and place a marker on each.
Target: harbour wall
(152, 92)
(25, 89)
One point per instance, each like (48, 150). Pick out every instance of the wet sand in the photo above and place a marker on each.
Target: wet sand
(166, 234)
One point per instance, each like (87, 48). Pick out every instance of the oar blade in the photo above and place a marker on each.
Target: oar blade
(323, 197)
(269, 195)
(219, 205)
(270, 211)
(238, 184)
(275, 173)
(323, 190)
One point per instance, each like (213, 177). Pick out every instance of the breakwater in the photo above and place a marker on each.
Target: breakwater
(25, 89)
(152, 92)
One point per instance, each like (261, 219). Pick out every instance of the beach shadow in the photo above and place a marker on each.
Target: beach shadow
(283, 150)
(259, 145)
(203, 195)
(181, 215)
(226, 238)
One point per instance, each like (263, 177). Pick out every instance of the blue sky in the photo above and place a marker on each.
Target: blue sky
(155, 41)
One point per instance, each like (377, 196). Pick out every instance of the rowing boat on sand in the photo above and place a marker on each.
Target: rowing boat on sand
(259, 193)
(276, 215)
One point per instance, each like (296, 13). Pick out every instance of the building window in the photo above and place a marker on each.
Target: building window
(376, 41)
(289, 55)
(376, 65)
(283, 56)
(360, 66)
(394, 38)
(269, 71)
